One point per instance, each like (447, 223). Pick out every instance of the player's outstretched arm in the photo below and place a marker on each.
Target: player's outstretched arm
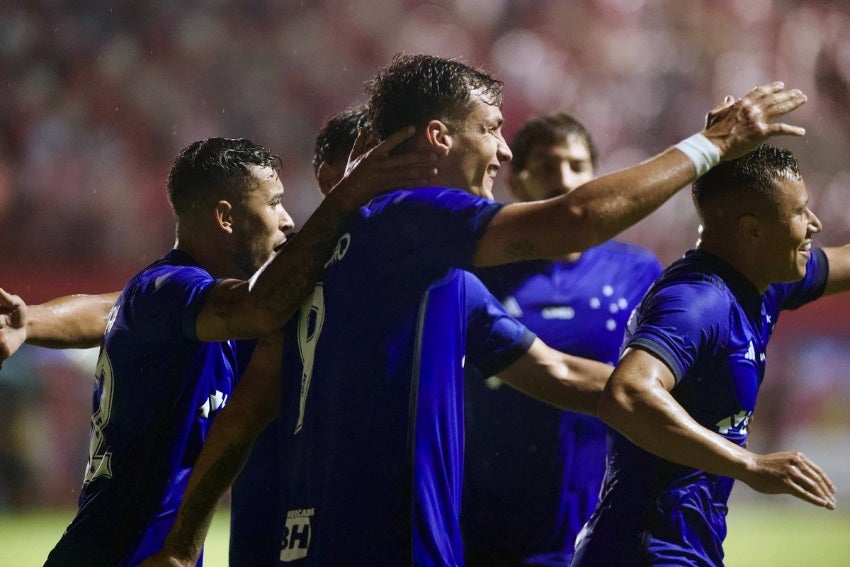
(73, 321)
(603, 207)
(564, 381)
(255, 308)
(637, 402)
(253, 405)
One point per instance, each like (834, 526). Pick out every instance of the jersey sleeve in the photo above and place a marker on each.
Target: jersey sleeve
(431, 226)
(166, 302)
(494, 339)
(679, 324)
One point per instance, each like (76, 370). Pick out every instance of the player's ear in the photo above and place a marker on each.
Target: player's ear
(748, 226)
(327, 176)
(224, 215)
(438, 136)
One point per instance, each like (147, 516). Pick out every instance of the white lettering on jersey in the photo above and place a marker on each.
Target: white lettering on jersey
(110, 319)
(751, 352)
(342, 246)
(295, 540)
(558, 312)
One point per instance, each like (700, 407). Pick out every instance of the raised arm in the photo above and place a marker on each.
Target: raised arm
(607, 205)
(564, 381)
(255, 308)
(637, 402)
(73, 321)
(253, 405)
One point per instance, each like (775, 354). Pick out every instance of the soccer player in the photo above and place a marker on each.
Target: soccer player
(494, 341)
(683, 393)
(166, 365)
(532, 472)
(254, 517)
(371, 386)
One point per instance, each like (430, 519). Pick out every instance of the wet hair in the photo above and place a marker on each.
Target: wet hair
(549, 130)
(752, 175)
(414, 89)
(215, 168)
(336, 138)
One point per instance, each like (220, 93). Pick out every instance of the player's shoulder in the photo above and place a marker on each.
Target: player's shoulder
(174, 269)
(695, 284)
(424, 198)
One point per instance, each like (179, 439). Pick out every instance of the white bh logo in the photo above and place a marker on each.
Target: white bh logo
(296, 535)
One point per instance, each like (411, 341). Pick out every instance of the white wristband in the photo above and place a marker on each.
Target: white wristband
(701, 151)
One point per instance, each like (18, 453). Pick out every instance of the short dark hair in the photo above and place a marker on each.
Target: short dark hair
(336, 138)
(413, 89)
(215, 165)
(753, 174)
(549, 130)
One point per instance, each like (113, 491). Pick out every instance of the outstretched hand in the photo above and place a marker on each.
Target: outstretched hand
(13, 324)
(792, 473)
(739, 126)
(374, 171)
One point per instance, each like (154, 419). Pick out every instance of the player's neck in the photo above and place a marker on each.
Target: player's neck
(737, 257)
(210, 257)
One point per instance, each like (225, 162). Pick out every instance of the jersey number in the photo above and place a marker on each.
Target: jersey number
(310, 322)
(100, 461)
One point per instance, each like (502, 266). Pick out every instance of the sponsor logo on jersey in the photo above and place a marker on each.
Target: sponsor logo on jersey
(213, 403)
(558, 312)
(295, 540)
(737, 423)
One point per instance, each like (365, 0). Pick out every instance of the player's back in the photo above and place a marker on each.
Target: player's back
(156, 391)
(372, 432)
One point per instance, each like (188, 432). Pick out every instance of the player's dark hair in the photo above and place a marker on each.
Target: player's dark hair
(217, 168)
(414, 89)
(336, 138)
(754, 173)
(549, 130)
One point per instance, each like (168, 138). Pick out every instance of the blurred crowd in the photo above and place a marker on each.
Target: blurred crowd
(97, 98)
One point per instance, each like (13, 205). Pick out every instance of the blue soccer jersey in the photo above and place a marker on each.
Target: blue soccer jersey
(652, 511)
(533, 472)
(372, 407)
(156, 392)
(494, 340)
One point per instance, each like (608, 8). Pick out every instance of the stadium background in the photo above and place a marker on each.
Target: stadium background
(96, 101)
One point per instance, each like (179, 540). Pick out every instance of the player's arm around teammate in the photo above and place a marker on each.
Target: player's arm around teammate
(607, 205)
(235, 308)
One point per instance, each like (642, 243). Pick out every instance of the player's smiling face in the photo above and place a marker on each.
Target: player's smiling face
(788, 233)
(553, 169)
(478, 149)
